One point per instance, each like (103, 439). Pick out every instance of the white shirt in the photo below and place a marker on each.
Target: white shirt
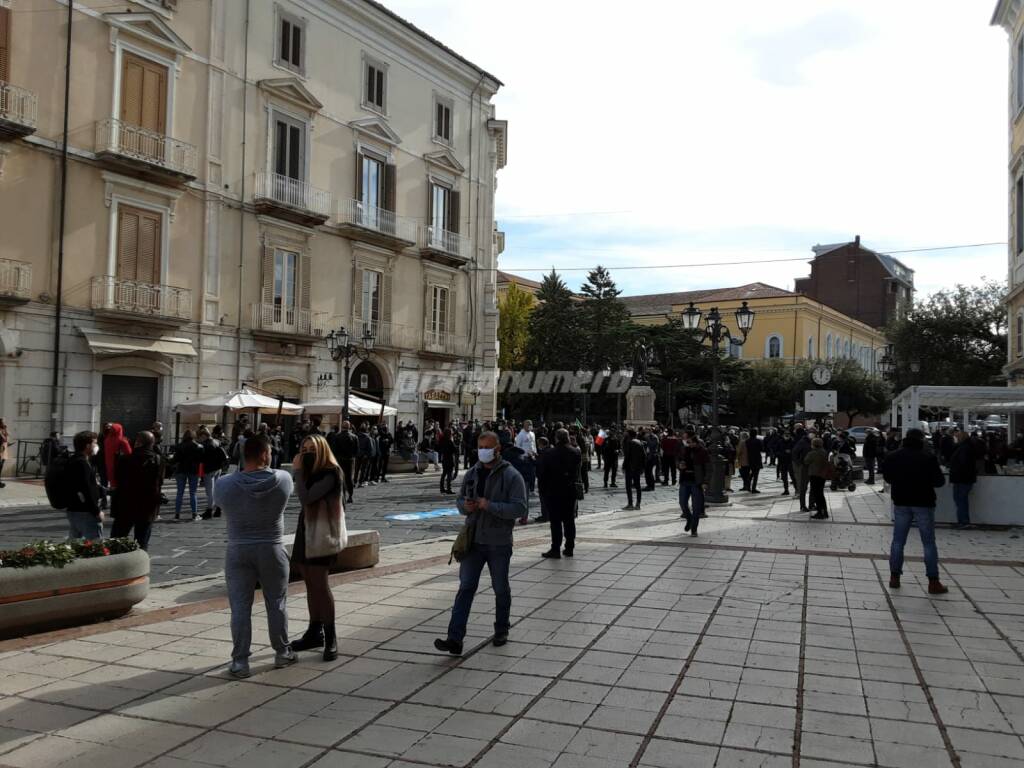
(525, 441)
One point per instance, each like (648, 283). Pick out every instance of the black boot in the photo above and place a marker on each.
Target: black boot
(330, 643)
(313, 638)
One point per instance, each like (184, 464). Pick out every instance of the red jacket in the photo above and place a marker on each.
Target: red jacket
(114, 445)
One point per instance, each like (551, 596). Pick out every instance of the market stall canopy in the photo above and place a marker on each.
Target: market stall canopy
(241, 400)
(961, 398)
(357, 406)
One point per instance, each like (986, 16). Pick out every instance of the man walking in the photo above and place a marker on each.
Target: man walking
(652, 444)
(345, 446)
(870, 454)
(82, 490)
(963, 474)
(138, 498)
(801, 448)
(694, 462)
(755, 461)
(634, 458)
(215, 459)
(493, 497)
(557, 472)
(669, 456)
(526, 441)
(610, 452)
(253, 501)
(914, 474)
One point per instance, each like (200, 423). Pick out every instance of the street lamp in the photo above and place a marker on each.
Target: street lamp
(343, 347)
(715, 331)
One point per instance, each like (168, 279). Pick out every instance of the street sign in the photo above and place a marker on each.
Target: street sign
(820, 401)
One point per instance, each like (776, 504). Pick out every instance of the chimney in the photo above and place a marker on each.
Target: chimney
(856, 241)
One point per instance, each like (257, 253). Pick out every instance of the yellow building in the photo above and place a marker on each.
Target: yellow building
(506, 279)
(787, 326)
(1009, 15)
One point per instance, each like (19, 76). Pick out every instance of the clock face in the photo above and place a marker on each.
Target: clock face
(821, 375)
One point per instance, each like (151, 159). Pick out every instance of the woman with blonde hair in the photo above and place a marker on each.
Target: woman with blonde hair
(320, 536)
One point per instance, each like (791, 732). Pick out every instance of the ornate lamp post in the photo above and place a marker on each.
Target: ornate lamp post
(715, 331)
(343, 347)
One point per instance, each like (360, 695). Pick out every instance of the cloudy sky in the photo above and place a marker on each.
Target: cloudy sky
(669, 132)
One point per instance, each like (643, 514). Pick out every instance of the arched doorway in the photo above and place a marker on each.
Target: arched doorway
(366, 379)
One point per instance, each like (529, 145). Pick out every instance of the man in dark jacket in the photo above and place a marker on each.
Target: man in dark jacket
(670, 445)
(523, 464)
(85, 518)
(493, 497)
(634, 458)
(610, 453)
(694, 462)
(558, 470)
(755, 461)
(385, 443)
(914, 474)
(652, 444)
(801, 448)
(963, 474)
(138, 495)
(345, 446)
(870, 453)
(784, 455)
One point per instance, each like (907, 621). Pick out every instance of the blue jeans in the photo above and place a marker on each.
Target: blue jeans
(497, 560)
(84, 525)
(961, 492)
(193, 484)
(924, 518)
(691, 491)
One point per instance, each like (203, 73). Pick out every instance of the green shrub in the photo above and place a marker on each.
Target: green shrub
(58, 554)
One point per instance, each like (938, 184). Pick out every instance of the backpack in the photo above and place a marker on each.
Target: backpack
(56, 481)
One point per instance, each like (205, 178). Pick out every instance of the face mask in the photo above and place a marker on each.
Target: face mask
(486, 455)
(95, 449)
(307, 461)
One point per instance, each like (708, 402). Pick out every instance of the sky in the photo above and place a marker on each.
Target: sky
(677, 132)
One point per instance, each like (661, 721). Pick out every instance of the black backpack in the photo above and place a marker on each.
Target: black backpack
(58, 489)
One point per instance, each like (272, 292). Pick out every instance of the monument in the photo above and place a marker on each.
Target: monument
(640, 395)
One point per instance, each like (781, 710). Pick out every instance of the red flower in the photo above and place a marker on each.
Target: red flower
(106, 551)
(87, 543)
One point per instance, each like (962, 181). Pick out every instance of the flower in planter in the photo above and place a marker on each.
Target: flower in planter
(47, 553)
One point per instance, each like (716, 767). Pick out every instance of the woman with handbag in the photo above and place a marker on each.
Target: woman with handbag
(320, 536)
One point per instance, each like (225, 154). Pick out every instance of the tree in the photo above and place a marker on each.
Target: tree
(765, 390)
(957, 338)
(857, 391)
(606, 323)
(513, 326)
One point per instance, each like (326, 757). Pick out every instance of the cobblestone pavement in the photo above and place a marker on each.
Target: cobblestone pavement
(769, 641)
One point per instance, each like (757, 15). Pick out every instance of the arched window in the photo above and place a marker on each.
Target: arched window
(735, 349)
(828, 347)
(846, 349)
(773, 347)
(810, 348)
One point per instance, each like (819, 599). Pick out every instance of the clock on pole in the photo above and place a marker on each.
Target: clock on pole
(821, 375)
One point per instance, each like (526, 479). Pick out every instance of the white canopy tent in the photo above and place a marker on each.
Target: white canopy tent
(357, 406)
(962, 401)
(242, 400)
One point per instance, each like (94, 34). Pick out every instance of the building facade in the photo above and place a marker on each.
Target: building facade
(787, 326)
(868, 286)
(1009, 15)
(242, 178)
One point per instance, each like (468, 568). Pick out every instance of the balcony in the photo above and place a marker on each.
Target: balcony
(291, 199)
(288, 323)
(15, 282)
(18, 108)
(136, 301)
(444, 247)
(128, 147)
(388, 335)
(442, 343)
(375, 226)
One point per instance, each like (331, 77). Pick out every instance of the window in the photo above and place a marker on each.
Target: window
(139, 244)
(285, 271)
(443, 211)
(371, 183)
(5, 44)
(1018, 214)
(371, 298)
(375, 86)
(846, 349)
(289, 148)
(143, 97)
(810, 348)
(443, 120)
(735, 350)
(1018, 84)
(290, 45)
(439, 310)
(773, 347)
(1020, 335)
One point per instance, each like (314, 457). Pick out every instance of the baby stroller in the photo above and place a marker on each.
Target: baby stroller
(843, 475)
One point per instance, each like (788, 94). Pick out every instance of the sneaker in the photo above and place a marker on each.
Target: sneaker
(894, 581)
(936, 587)
(239, 669)
(454, 647)
(285, 658)
(196, 517)
(500, 639)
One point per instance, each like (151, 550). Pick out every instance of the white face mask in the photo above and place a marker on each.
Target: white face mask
(95, 449)
(486, 455)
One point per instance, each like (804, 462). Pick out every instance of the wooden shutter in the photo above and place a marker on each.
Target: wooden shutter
(5, 44)
(144, 93)
(359, 178)
(139, 244)
(451, 311)
(385, 298)
(305, 275)
(357, 294)
(268, 275)
(430, 203)
(390, 186)
(131, 90)
(127, 242)
(453, 211)
(148, 269)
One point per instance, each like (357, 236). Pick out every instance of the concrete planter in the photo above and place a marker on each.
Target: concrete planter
(86, 590)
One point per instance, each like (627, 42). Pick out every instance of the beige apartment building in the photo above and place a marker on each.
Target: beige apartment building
(1009, 15)
(243, 177)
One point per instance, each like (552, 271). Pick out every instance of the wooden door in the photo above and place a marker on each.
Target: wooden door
(138, 244)
(144, 94)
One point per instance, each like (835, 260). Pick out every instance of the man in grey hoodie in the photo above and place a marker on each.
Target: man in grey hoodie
(493, 497)
(253, 502)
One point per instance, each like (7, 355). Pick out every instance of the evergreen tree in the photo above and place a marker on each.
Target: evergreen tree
(513, 326)
(607, 327)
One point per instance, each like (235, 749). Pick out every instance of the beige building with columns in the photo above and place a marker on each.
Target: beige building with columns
(244, 176)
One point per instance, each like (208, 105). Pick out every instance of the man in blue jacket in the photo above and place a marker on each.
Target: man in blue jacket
(493, 497)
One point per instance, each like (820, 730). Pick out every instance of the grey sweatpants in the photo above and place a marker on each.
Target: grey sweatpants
(244, 566)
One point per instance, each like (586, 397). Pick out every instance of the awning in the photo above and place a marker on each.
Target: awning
(357, 406)
(110, 344)
(438, 404)
(242, 400)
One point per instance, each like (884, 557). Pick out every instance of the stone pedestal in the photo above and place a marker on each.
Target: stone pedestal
(640, 406)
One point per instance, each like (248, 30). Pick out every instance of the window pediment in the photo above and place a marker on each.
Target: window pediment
(292, 90)
(445, 159)
(377, 128)
(148, 26)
